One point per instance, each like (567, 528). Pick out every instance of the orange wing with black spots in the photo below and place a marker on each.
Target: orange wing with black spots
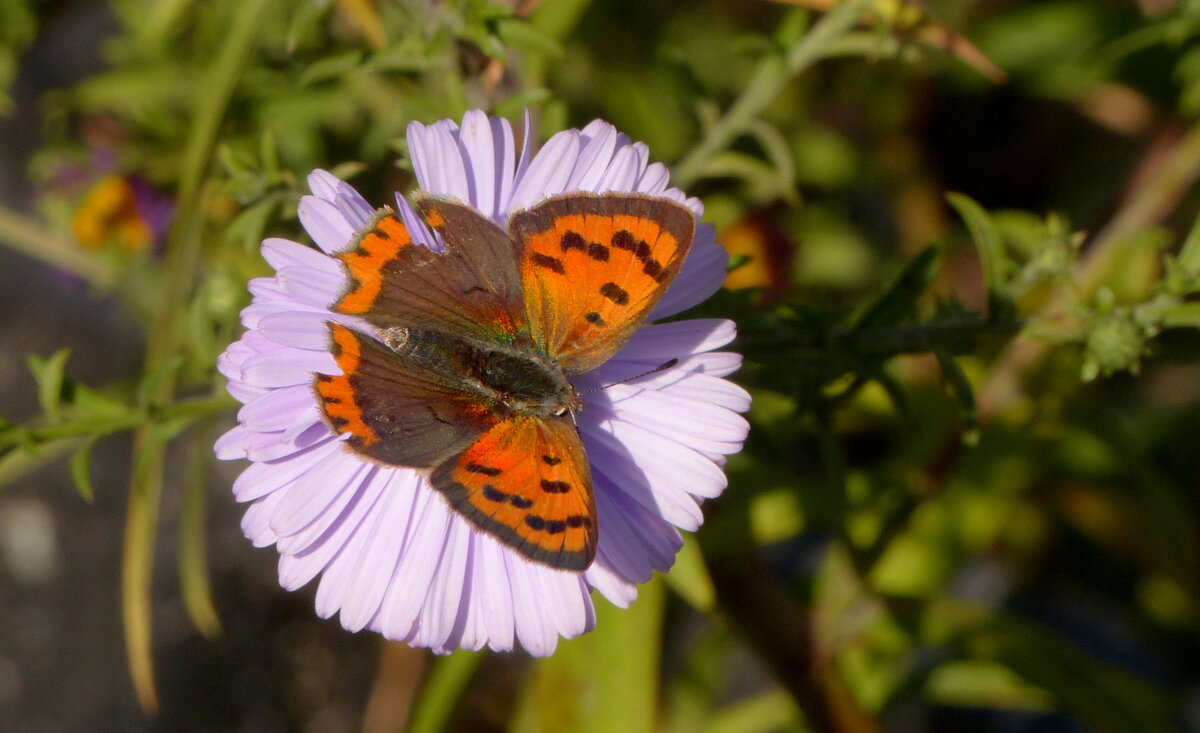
(593, 265)
(526, 481)
(404, 409)
(472, 289)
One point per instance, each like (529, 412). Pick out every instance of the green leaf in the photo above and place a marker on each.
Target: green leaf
(995, 261)
(1184, 315)
(519, 102)
(20, 462)
(603, 681)
(961, 386)
(304, 16)
(247, 227)
(767, 711)
(329, 67)
(898, 301)
(1189, 255)
(1102, 696)
(151, 382)
(87, 402)
(761, 177)
(81, 473)
(525, 37)
(49, 376)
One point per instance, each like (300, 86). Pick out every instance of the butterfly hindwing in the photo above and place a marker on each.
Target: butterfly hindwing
(527, 482)
(396, 406)
(592, 267)
(473, 289)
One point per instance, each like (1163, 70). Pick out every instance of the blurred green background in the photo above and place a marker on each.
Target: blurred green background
(964, 271)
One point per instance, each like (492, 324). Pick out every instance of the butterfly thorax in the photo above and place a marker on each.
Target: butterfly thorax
(516, 378)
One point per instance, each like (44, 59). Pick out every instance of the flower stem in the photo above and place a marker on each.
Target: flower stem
(181, 270)
(27, 236)
(773, 73)
(186, 409)
(193, 566)
(443, 690)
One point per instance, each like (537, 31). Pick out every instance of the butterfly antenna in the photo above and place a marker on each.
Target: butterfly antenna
(661, 367)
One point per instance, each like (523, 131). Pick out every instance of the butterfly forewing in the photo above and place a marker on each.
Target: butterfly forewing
(527, 482)
(593, 266)
(397, 408)
(472, 290)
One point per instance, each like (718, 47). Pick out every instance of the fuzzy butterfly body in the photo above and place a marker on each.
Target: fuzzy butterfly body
(467, 374)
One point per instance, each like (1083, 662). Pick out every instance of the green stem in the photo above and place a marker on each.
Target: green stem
(105, 426)
(29, 237)
(773, 73)
(193, 566)
(181, 269)
(1149, 203)
(443, 690)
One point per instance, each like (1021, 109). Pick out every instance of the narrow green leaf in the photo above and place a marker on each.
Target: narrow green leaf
(1102, 696)
(159, 376)
(762, 178)
(81, 472)
(1189, 255)
(993, 258)
(330, 67)
(525, 37)
(517, 103)
(1184, 315)
(779, 153)
(89, 403)
(20, 462)
(900, 298)
(304, 15)
(49, 376)
(768, 711)
(961, 386)
(268, 153)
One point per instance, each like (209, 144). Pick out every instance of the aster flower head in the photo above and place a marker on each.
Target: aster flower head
(391, 553)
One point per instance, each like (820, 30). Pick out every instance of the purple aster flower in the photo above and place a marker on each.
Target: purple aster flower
(391, 554)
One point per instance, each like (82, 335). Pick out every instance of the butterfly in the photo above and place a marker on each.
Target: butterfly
(469, 375)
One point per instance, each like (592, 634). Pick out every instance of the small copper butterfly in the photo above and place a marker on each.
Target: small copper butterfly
(469, 377)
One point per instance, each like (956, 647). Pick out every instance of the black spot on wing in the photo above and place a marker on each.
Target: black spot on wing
(550, 263)
(555, 487)
(615, 293)
(597, 252)
(573, 240)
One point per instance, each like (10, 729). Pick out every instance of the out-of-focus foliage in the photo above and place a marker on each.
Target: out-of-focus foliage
(965, 267)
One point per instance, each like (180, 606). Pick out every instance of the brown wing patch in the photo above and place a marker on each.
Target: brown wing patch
(594, 265)
(397, 408)
(527, 482)
(365, 263)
